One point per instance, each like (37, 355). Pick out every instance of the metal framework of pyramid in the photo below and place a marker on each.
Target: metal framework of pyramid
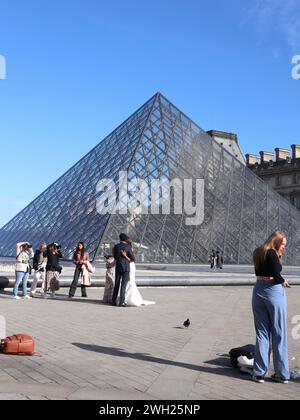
(159, 141)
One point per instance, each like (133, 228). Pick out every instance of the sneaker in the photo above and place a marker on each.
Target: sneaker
(52, 295)
(32, 294)
(243, 361)
(279, 379)
(17, 298)
(27, 297)
(45, 296)
(258, 379)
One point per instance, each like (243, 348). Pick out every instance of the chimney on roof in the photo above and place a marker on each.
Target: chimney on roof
(282, 154)
(223, 135)
(251, 159)
(266, 157)
(295, 151)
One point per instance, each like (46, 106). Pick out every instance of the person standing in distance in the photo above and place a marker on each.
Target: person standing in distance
(122, 268)
(24, 252)
(53, 269)
(39, 266)
(270, 310)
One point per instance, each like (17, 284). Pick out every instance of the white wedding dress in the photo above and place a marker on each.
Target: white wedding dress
(133, 296)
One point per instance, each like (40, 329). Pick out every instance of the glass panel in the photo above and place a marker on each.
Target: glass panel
(159, 141)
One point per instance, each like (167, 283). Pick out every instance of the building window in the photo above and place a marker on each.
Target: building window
(296, 179)
(295, 200)
(278, 181)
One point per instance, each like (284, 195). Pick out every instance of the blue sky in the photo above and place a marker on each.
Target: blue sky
(76, 69)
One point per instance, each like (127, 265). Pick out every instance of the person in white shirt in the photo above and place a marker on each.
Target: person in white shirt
(23, 254)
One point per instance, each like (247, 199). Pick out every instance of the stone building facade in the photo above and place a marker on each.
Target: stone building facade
(281, 170)
(229, 141)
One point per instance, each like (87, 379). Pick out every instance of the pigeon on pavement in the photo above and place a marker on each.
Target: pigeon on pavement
(187, 323)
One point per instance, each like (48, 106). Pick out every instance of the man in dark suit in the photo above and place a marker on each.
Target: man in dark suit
(122, 269)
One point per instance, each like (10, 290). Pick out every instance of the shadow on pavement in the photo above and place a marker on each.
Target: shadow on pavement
(64, 298)
(59, 298)
(223, 364)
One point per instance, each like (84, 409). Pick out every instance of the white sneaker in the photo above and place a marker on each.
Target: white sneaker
(32, 294)
(44, 295)
(243, 361)
(27, 297)
(52, 295)
(17, 298)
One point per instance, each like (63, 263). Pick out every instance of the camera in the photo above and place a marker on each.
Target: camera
(27, 246)
(57, 246)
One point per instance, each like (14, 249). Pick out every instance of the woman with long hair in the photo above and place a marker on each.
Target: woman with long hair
(270, 310)
(80, 259)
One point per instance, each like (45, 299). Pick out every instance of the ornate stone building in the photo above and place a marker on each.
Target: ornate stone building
(229, 141)
(280, 170)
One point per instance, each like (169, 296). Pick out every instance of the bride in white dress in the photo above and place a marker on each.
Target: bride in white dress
(133, 296)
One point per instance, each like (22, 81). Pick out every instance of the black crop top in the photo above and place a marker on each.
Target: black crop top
(271, 267)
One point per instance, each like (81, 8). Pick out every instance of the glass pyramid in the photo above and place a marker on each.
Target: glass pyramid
(158, 142)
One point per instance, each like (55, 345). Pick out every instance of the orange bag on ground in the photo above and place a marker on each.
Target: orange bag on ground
(18, 344)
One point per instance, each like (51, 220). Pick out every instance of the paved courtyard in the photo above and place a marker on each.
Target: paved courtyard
(87, 350)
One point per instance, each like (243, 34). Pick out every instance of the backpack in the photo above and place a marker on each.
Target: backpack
(247, 351)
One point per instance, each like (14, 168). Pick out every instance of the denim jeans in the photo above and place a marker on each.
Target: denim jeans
(270, 318)
(21, 276)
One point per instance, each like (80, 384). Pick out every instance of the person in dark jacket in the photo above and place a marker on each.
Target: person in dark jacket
(39, 266)
(220, 260)
(53, 269)
(270, 310)
(213, 260)
(122, 268)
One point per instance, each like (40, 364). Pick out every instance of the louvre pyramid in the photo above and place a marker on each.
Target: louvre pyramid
(159, 141)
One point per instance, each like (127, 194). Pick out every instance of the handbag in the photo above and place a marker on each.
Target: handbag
(54, 284)
(247, 351)
(90, 268)
(18, 344)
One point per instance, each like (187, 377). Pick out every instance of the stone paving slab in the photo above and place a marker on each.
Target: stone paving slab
(87, 350)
